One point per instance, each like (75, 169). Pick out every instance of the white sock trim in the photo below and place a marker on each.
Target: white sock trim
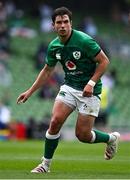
(46, 161)
(50, 136)
(93, 137)
(43, 158)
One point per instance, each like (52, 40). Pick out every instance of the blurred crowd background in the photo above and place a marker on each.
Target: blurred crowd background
(25, 31)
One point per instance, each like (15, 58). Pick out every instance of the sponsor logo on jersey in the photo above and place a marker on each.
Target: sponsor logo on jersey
(70, 65)
(58, 56)
(75, 73)
(77, 54)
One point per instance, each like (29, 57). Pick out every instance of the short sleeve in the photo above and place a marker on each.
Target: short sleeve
(91, 47)
(51, 58)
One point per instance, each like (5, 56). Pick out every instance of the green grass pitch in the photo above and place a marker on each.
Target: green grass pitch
(72, 160)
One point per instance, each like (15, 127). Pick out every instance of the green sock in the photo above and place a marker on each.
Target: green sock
(50, 146)
(101, 136)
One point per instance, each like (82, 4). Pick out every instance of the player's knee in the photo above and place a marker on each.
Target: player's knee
(55, 122)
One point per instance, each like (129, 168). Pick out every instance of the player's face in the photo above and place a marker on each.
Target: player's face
(62, 26)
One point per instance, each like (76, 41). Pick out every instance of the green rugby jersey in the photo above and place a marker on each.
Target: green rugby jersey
(76, 57)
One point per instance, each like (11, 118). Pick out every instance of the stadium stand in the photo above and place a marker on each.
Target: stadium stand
(22, 65)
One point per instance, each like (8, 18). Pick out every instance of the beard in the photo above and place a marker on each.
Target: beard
(62, 33)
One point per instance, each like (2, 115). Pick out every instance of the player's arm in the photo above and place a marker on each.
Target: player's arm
(39, 82)
(103, 62)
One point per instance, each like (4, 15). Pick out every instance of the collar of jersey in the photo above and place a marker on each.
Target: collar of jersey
(68, 39)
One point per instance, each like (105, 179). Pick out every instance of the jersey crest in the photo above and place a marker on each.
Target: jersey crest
(77, 54)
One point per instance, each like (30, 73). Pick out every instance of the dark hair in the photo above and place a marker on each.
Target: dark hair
(60, 12)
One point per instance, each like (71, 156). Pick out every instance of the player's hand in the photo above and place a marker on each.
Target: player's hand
(23, 97)
(88, 91)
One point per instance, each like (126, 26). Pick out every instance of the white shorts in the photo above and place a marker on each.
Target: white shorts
(74, 99)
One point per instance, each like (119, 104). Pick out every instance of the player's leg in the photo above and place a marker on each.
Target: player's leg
(85, 133)
(88, 111)
(59, 114)
(84, 130)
